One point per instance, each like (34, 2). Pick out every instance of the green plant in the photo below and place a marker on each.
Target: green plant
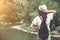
(58, 29)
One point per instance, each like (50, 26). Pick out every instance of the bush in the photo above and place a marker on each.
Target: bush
(58, 29)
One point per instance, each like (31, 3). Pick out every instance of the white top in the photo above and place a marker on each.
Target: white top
(37, 20)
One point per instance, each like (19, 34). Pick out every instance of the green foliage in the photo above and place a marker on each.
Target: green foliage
(28, 11)
(58, 29)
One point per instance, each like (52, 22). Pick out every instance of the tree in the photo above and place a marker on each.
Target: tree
(7, 11)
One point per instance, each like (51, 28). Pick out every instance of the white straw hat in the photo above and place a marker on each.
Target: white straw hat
(42, 7)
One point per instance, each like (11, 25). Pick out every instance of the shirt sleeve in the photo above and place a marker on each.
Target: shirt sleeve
(34, 21)
(50, 16)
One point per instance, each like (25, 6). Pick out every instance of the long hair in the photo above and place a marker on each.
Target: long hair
(44, 15)
(43, 31)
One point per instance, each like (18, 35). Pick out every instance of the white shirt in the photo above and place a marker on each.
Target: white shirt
(37, 20)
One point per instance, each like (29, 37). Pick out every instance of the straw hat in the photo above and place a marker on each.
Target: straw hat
(42, 7)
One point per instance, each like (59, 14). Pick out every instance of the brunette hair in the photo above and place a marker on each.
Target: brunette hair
(43, 31)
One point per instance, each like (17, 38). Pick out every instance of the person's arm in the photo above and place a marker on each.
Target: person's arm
(34, 23)
(49, 11)
(32, 26)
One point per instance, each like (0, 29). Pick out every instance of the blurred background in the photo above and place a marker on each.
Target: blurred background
(22, 12)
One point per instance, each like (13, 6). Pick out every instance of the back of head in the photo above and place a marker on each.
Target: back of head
(42, 9)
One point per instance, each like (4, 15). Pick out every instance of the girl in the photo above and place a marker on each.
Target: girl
(42, 22)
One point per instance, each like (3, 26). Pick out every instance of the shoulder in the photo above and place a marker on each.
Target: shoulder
(37, 17)
(50, 13)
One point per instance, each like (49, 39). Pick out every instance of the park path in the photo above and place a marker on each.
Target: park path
(18, 27)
